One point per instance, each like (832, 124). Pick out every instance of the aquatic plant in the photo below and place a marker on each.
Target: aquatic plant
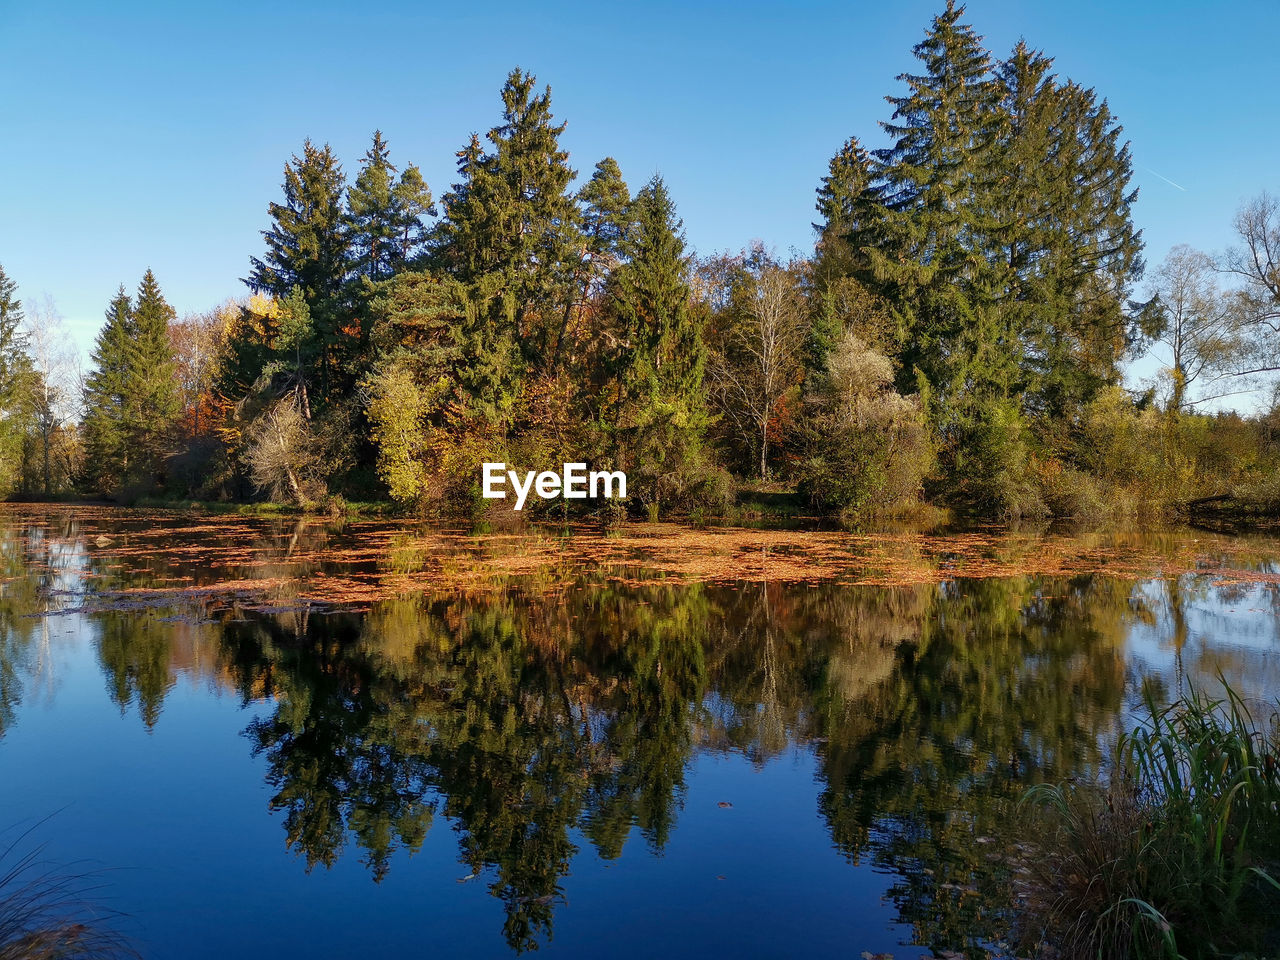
(46, 912)
(1177, 854)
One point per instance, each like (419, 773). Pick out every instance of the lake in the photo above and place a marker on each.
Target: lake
(280, 737)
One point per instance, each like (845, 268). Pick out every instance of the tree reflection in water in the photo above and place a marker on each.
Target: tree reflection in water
(561, 708)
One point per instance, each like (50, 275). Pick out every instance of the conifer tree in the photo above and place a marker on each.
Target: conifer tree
(371, 213)
(14, 362)
(937, 182)
(606, 202)
(107, 398)
(153, 402)
(1068, 237)
(308, 246)
(386, 214)
(660, 415)
(511, 219)
(850, 210)
(15, 377)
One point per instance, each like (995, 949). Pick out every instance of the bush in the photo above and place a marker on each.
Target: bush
(865, 447)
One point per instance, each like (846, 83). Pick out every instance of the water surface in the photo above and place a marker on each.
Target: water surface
(332, 740)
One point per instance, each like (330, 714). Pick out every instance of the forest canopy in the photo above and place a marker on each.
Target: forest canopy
(958, 335)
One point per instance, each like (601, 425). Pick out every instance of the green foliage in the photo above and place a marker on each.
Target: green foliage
(15, 383)
(153, 403)
(1177, 856)
(309, 247)
(511, 226)
(659, 415)
(307, 244)
(106, 397)
(385, 215)
(866, 448)
(131, 396)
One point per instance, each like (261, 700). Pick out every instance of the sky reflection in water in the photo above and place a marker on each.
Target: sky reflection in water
(300, 739)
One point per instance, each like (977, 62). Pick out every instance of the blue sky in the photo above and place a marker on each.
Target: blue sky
(137, 135)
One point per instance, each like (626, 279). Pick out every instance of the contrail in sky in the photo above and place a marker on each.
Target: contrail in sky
(1166, 179)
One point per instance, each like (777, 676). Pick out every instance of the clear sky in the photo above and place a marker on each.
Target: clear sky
(136, 135)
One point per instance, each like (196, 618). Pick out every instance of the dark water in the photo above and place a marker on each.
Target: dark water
(280, 739)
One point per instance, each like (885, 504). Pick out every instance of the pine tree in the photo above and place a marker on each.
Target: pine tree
(107, 398)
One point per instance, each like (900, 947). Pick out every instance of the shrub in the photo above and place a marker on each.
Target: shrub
(866, 448)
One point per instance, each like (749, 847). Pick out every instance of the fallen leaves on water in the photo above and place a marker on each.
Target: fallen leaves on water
(130, 558)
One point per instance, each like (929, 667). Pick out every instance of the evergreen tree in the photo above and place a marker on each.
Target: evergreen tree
(371, 213)
(850, 209)
(131, 397)
(386, 214)
(153, 402)
(605, 200)
(15, 378)
(308, 246)
(938, 182)
(15, 365)
(660, 415)
(606, 203)
(107, 399)
(1068, 237)
(511, 219)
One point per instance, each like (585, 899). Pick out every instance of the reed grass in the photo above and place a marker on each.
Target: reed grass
(46, 912)
(1176, 855)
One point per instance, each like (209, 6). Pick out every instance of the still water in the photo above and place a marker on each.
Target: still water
(279, 738)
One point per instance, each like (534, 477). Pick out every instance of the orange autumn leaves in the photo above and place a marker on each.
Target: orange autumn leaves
(158, 557)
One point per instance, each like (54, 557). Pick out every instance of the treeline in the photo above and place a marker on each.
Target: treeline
(958, 334)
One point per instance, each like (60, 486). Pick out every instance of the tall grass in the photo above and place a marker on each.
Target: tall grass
(1177, 855)
(45, 912)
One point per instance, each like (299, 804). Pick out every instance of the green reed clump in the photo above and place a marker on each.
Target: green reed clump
(1177, 855)
(45, 913)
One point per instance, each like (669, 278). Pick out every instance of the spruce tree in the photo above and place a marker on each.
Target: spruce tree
(153, 403)
(308, 246)
(1069, 241)
(511, 222)
(386, 214)
(107, 398)
(850, 209)
(16, 381)
(15, 364)
(371, 213)
(606, 202)
(938, 182)
(659, 368)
